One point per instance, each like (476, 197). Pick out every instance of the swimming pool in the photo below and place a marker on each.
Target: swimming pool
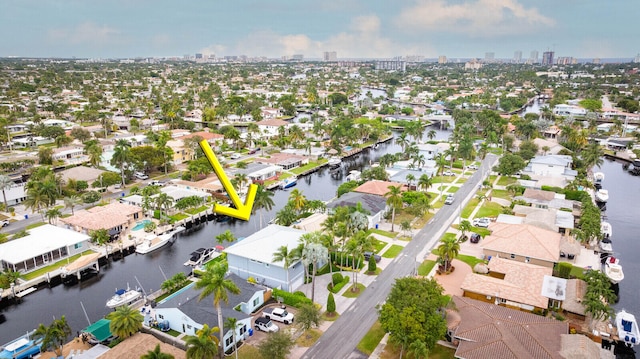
(140, 225)
(348, 148)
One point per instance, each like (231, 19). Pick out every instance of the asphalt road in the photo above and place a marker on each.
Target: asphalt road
(340, 340)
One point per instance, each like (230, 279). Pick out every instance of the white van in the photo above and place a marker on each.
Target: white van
(141, 176)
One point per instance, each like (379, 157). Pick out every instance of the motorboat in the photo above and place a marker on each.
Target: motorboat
(289, 182)
(605, 229)
(22, 347)
(201, 255)
(123, 296)
(153, 242)
(598, 177)
(627, 328)
(353, 175)
(606, 246)
(613, 270)
(334, 161)
(602, 195)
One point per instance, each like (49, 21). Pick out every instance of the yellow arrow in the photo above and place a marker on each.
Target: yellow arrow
(242, 210)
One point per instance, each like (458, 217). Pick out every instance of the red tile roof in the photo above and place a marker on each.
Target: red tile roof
(379, 188)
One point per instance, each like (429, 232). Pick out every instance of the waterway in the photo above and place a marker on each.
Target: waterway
(45, 304)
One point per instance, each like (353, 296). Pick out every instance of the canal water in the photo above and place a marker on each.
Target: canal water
(49, 303)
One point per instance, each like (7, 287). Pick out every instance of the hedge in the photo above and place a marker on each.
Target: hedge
(337, 287)
(336, 278)
(292, 299)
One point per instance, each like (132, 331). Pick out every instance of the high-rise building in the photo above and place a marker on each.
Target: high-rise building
(442, 59)
(330, 56)
(517, 57)
(297, 57)
(198, 56)
(637, 59)
(534, 57)
(392, 65)
(489, 57)
(547, 58)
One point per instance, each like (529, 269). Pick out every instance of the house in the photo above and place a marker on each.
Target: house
(374, 204)
(577, 346)
(44, 245)
(187, 314)
(485, 330)
(285, 160)
(544, 199)
(574, 295)
(258, 172)
(114, 217)
(548, 147)
(509, 283)
(269, 128)
(253, 257)
(551, 219)
(70, 155)
(81, 173)
(378, 188)
(568, 110)
(523, 243)
(555, 170)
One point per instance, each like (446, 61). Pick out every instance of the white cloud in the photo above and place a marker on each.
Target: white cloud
(86, 33)
(364, 38)
(479, 18)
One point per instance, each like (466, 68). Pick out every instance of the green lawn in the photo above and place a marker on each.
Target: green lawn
(308, 166)
(56, 265)
(489, 209)
(383, 233)
(393, 251)
(197, 210)
(470, 260)
(426, 267)
(500, 193)
(466, 211)
(350, 294)
(576, 272)
(453, 189)
(378, 245)
(34, 225)
(448, 235)
(505, 181)
(178, 216)
(371, 340)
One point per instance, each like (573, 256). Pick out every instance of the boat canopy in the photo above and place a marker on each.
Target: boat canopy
(120, 291)
(100, 329)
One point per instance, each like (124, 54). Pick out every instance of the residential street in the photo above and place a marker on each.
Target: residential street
(340, 340)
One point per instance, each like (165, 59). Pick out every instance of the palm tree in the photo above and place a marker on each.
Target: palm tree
(394, 200)
(71, 202)
(464, 227)
(163, 201)
(53, 214)
(232, 323)
(156, 354)
(5, 183)
(55, 335)
(121, 156)
(263, 200)
(213, 281)
(125, 321)
(312, 252)
(226, 236)
(298, 199)
(410, 178)
(204, 345)
(283, 254)
(359, 243)
(424, 182)
(240, 179)
(448, 249)
(431, 134)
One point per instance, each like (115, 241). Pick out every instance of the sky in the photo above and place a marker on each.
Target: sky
(351, 28)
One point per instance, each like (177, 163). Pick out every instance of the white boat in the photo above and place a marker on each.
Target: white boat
(123, 296)
(613, 270)
(289, 182)
(606, 246)
(334, 161)
(602, 196)
(605, 228)
(353, 176)
(22, 347)
(200, 256)
(598, 177)
(153, 242)
(627, 328)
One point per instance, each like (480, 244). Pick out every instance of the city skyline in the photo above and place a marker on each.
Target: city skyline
(350, 28)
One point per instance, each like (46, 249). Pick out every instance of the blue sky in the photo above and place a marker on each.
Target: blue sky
(352, 28)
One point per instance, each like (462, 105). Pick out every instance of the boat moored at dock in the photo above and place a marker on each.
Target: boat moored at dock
(22, 347)
(123, 296)
(289, 182)
(627, 328)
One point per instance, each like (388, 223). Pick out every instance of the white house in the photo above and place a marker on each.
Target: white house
(253, 257)
(568, 110)
(44, 245)
(187, 314)
(551, 165)
(269, 128)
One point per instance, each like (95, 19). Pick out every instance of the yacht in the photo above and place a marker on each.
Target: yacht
(613, 270)
(598, 177)
(153, 242)
(334, 161)
(289, 182)
(602, 195)
(201, 255)
(353, 176)
(627, 328)
(606, 246)
(605, 228)
(123, 296)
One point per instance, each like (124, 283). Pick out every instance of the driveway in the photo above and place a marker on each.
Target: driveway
(451, 282)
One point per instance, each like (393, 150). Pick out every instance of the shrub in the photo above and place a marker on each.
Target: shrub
(331, 304)
(339, 286)
(291, 299)
(564, 269)
(336, 278)
(372, 265)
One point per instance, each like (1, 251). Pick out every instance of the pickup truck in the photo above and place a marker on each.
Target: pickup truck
(265, 325)
(278, 314)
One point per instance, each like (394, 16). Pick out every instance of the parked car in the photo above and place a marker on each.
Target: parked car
(278, 314)
(235, 156)
(472, 167)
(368, 255)
(141, 176)
(449, 199)
(448, 173)
(481, 222)
(156, 183)
(254, 151)
(265, 325)
(475, 238)
(4, 223)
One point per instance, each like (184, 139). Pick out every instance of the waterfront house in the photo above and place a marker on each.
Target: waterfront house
(269, 128)
(374, 204)
(486, 330)
(258, 172)
(286, 161)
(81, 173)
(187, 314)
(552, 169)
(522, 243)
(552, 219)
(378, 188)
(114, 217)
(253, 257)
(70, 155)
(42, 246)
(509, 283)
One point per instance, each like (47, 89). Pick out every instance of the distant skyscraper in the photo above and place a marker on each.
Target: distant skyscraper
(198, 56)
(298, 57)
(489, 57)
(393, 65)
(442, 59)
(517, 57)
(547, 58)
(534, 57)
(330, 56)
(637, 59)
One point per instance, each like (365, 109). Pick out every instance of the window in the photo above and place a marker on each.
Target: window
(243, 329)
(256, 302)
(513, 256)
(527, 259)
(77, 246)
(228, 341)
(266, 265)
(188, 326)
